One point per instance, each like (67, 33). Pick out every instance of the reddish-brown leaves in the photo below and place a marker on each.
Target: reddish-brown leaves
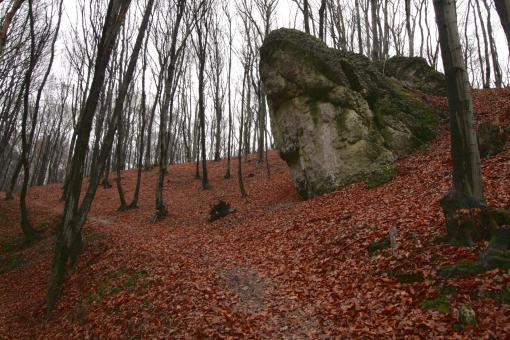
(310, 258)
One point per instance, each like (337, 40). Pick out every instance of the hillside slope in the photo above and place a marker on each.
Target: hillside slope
(278, 267)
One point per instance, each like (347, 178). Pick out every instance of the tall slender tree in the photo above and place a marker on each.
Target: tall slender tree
(6, 22)
(161, 210)
(68, 238)
(201, 47)
(503, 9)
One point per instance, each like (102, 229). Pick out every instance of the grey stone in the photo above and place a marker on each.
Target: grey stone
(335, 118)
(415, 73)
(467, 315)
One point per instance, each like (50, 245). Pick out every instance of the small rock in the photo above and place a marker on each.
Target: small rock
(467, 315)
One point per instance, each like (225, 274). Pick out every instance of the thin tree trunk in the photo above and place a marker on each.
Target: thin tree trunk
(229, 79)
(408, 27)
(503, 9)
(498, 78)
(375, 35)
(306, 16)
(161, 210)
(241, 125)
(322, 17)
(7, 22)
(487, 83)
(68, 239)
(27, 228)
(143, 113)
(358, 25)
(262, 123)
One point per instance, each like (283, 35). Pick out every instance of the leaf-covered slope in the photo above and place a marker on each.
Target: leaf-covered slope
(277, 267)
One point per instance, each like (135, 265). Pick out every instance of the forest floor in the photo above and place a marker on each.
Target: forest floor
(278, 267)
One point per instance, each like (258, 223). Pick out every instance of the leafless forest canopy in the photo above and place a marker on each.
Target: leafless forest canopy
(208, 62)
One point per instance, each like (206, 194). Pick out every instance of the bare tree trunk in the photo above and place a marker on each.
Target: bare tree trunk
(467, 187)
(28, 230)
(487, 83)
(358, 25)
(25, 224)
(241, 125)
(119, 163)
(262, 123)
(503, 9)
(480, 58)
(143, 114)
(229, 79)
(498, 78)
(375, 36)
(306, 16)
(386, 36)
(16, 4)
(322, 26)
(422, 36)
(68, 239)
(410, 35)
(202, 29)
(161, 211)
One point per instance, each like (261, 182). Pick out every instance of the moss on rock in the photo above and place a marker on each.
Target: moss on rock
(380, 177)
(341, 118)
(415, 73)
(383, 243)
(462, 268)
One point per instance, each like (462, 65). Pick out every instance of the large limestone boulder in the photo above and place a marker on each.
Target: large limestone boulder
(415, 73)
(334, 117)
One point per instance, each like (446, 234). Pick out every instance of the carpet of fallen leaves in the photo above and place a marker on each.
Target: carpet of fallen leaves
(278, 267)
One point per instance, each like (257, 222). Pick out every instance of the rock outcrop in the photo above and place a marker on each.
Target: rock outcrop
(335, 118)
(492, 138)
(415, 73)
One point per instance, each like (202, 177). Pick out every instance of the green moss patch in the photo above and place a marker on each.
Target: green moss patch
(500, 296)
(462, 268)
(441, 302)
(117, 281)
(380, 177)
(10, 263)
(383, 243)
(407, 277)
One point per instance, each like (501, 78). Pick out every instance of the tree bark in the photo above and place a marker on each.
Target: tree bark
(16, 4)
(161, 210)
(241, 125)
(498, 78)
(229, 89)
(487, 83)
(68, 239)
(410, 35)
(467, 186)
(29, 232)
(503, 9)
(306, 16)
(202, 52)
(322, 19)
(358, 25)
(375, 36)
